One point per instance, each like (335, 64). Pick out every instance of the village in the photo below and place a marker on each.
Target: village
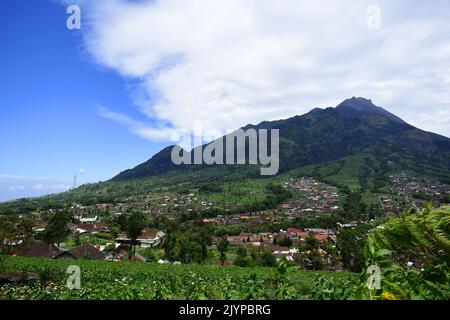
(93, 232)
(419, 191)
(97, 246)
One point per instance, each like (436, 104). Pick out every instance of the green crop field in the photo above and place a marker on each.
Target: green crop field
(112, 280)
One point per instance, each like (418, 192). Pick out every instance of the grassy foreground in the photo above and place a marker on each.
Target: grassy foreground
(112, 280)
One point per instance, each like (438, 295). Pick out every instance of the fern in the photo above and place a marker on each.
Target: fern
(425, 234)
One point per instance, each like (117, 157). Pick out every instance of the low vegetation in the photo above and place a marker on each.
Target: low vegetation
(109, 280)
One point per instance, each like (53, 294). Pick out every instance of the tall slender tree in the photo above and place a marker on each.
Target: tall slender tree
(134, 226)
(223, 248)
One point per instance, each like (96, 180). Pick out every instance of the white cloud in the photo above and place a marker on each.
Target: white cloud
(38, 187)
(14, 188)
(138, 127)
(60, 186)
(18, 177)
(41, 187)
(33, 184)
(226, 63)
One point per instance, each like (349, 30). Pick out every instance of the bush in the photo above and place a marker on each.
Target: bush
(324, 288)
(242, 259)
(150, 254)
(268, 259)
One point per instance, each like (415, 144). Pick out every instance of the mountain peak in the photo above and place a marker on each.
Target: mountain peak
(367, 106)
(358, 103)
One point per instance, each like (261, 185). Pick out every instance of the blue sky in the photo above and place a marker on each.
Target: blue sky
(50, 126)
(105, 98)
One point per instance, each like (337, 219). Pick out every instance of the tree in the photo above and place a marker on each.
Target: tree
(122, 222)
(57, 231)
(169, 246)
(375, 211)
(134, 226)
(242, 259)
(353, 206)
(25, 228)
(6, 233)
(6, 229)
(316, 260)
(284, 242)
(268, 259)
(114, 232)
(311, 241)
(77, 239)
(350, 243)
(223, 248)
(190, 246)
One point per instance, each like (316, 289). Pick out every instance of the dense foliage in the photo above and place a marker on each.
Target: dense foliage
(413, 253)
(350, 243)
(188, 245)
